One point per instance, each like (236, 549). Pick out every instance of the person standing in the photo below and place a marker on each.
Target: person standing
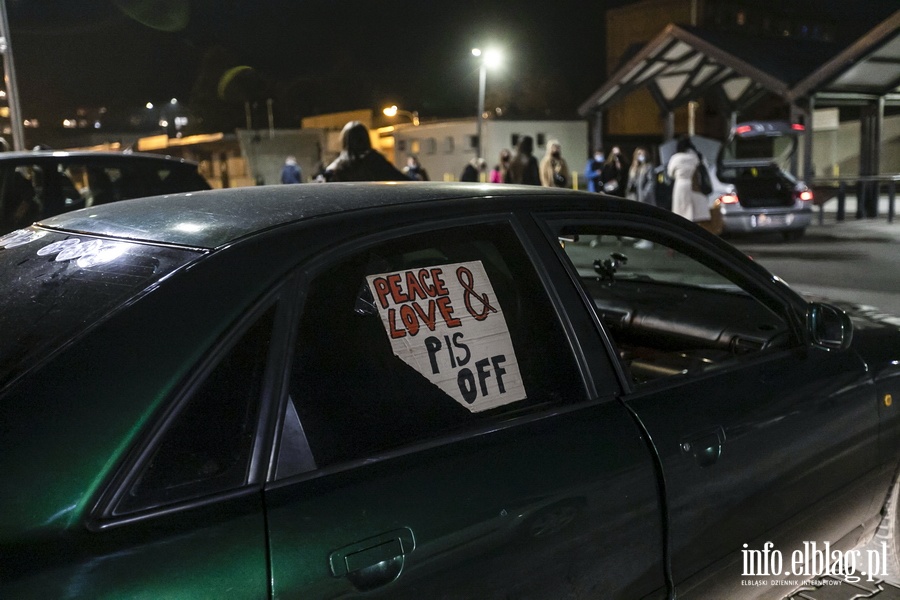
(614, 174)
(523, 166)
(686, 202)
(593, 171)
(554, 171)
(474, 169)
(500, 172)
(290, 172)
(640, 184)
(358, 161)
(414, 169)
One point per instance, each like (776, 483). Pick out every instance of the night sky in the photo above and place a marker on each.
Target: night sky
(311, 56)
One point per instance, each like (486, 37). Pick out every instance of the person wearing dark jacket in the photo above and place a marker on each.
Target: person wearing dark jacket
(474, 169)
(290, 172)
(523, 166)
(358, 161)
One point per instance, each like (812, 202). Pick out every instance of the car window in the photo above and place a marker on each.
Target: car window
(422, 336)
(41, 189)
(667, 313)
(206, 447)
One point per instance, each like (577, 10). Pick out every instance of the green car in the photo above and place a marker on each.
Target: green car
(417, 390)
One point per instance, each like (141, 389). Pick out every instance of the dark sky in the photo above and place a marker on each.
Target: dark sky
(313, 55)
(335, 55)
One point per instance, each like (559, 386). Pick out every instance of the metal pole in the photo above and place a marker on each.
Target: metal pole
(9, 78)
(892, 196)
(271, 118)
(482, 80)
(842, 198)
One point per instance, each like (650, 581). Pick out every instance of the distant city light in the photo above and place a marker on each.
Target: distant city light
(149, 106)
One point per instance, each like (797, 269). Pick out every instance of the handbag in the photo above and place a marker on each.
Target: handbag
(700, 181)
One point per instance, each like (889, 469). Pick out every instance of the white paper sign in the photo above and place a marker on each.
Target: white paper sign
(446, 323)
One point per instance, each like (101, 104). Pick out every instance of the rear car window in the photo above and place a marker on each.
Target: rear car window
(54, 285)
(41, 188)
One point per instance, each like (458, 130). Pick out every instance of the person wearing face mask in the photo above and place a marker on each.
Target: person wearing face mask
(640, 178)
(614, 173)
(593, 171)
(554, 171)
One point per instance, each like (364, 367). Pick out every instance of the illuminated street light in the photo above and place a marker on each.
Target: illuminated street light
(149, 106)
(489, 59)
(393, 111)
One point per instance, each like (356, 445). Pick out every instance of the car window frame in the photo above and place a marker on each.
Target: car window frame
(102, 516)
(700, 246)
(321, 262)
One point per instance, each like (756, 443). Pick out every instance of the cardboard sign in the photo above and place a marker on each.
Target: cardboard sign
(446, 323)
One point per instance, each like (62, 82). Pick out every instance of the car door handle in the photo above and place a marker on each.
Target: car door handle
(375, 561)
(705, 446)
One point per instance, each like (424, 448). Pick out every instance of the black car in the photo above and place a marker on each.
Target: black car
(40, 184)
(429, 390)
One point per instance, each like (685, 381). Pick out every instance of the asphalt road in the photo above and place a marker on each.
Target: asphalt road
(853, 261)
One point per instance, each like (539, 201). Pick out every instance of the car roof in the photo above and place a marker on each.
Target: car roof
(210, 219)
(85, 155)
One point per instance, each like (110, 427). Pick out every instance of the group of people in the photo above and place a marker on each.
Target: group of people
(522, 167)
(612, 174)
(638, 181)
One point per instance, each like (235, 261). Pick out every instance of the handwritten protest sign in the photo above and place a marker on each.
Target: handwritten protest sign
(446, 323)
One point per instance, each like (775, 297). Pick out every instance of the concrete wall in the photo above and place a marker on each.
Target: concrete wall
(836, 151)
(265, 155)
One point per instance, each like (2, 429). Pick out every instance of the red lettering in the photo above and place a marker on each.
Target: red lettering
(408, 316)
(392, 320)
(381, 290)
(397, 294)
(428, 318)
(446, 309)
(423, 281)
(413, 289)
(439, 286)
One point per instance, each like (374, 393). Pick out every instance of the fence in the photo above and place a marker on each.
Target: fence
(868, 193)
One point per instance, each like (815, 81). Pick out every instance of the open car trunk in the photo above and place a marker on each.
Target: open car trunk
(762, 186)
(753, 160)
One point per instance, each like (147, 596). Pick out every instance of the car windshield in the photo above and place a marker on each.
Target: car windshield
(616, 258)
(53, 286)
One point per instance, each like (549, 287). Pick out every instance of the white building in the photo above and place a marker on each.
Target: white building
(444, 147)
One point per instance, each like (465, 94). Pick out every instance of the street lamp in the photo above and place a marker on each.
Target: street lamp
(489, 59)
(393, 111)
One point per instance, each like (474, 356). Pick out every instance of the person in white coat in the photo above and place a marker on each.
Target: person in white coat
(686, 202)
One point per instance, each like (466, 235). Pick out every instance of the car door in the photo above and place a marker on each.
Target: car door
(761, 436)
(442, 438)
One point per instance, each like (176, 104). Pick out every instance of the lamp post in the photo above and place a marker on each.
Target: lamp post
(12, 86)
(393, 111)
(489, 58)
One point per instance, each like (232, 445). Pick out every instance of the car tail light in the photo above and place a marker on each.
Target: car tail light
(743, 129)
(798, 127)
(805, 195)
(729, 199)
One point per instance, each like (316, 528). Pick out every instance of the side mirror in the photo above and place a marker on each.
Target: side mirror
(829, 327)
